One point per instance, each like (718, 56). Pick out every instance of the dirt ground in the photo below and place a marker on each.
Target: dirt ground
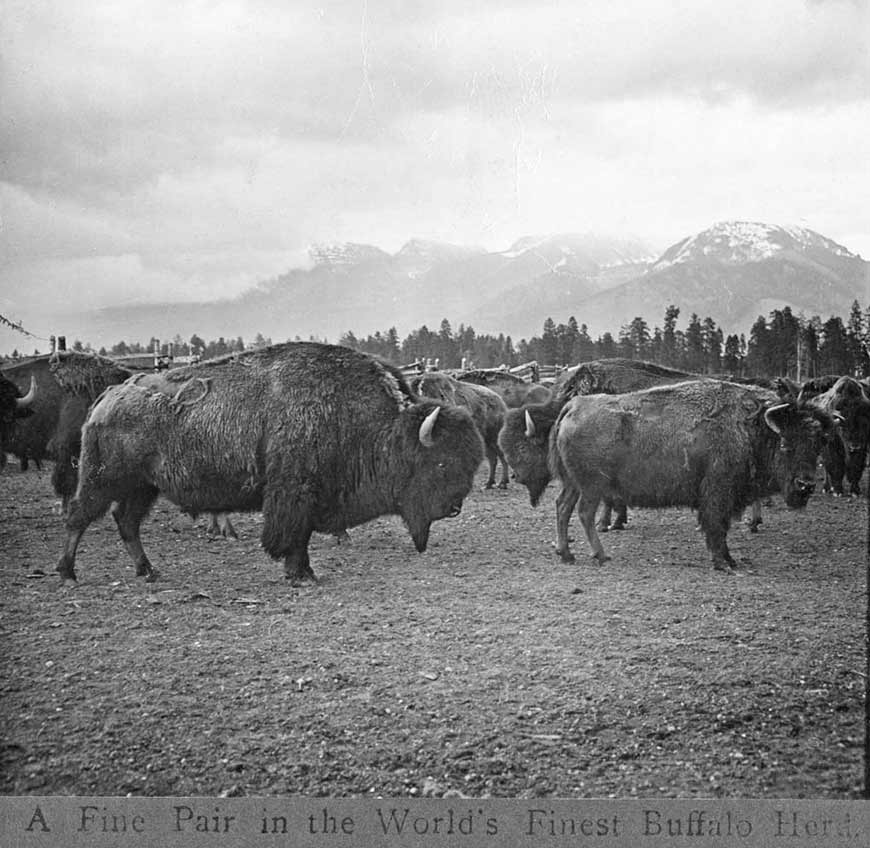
(484, 667)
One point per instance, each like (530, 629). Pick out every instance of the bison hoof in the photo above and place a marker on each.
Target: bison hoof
(601, 558)
(566, 556)
(503, 484)
(603, 528)
(299, 580)
(69, 582)
(152, 575)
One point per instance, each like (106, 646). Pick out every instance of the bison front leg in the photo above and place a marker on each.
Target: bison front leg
(128, 515)
(714, 517)
(566, 500)
(287, 530)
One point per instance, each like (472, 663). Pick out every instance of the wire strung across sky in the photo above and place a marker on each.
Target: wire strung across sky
(20, 329)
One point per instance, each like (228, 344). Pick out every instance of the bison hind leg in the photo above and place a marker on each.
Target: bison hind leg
(81, 513)
(128, 514)
(586, 510)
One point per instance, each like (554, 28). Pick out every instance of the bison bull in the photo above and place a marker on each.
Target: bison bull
(318, 437)
(712, 446)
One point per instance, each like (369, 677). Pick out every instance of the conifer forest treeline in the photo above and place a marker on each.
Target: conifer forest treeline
(783, 344)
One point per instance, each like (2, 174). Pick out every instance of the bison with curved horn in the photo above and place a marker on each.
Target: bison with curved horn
(712, 446)
(487, 409)
(524, 439)
(846, 456)
(318, 437)
(13, 407)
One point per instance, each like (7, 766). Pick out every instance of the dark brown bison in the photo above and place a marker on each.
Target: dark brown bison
(318, 437)
(846, 456)
(14, 408)
(713, 446)
(487, 409)
(29, 441)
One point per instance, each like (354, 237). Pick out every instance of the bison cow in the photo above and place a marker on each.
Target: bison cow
(487, 409)
(713, 446)
(318, 437)
(524, 440)
(846, 456)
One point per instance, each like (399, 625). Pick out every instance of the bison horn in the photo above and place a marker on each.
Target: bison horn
(530, 426)
(24, 402)
(768, 416)
(426, 428)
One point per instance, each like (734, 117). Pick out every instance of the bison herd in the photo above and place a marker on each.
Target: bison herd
(321, 438)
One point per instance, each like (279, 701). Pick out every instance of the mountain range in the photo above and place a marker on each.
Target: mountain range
(732, 272)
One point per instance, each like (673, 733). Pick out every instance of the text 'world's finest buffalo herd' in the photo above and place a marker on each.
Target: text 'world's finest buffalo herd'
(322, 438)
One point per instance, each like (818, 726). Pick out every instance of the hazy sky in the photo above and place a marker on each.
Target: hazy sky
(186, 150)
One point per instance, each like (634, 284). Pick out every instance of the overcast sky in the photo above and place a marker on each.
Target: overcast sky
(186, 150)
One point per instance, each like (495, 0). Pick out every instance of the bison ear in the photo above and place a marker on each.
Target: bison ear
(530, 426)
(426, 427)
(773, 416)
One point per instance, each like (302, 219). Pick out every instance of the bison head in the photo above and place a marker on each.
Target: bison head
(524, 441)
(441, 450)
(802, 431)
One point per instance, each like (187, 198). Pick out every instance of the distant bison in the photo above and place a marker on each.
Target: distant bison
(514, 390)
(487, 409)
(712, 446)
(846, 456)
(318, 437)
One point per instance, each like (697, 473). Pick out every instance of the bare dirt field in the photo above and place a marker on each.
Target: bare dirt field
(484, 667)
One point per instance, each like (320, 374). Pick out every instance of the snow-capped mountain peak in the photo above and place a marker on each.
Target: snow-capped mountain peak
(739, 242)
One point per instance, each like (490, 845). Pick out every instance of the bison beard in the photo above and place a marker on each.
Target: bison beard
(321, 438)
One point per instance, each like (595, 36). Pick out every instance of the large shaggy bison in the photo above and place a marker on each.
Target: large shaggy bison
(713, 446)
(318, 437)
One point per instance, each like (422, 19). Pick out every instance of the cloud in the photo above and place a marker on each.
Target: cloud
(181, 148)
